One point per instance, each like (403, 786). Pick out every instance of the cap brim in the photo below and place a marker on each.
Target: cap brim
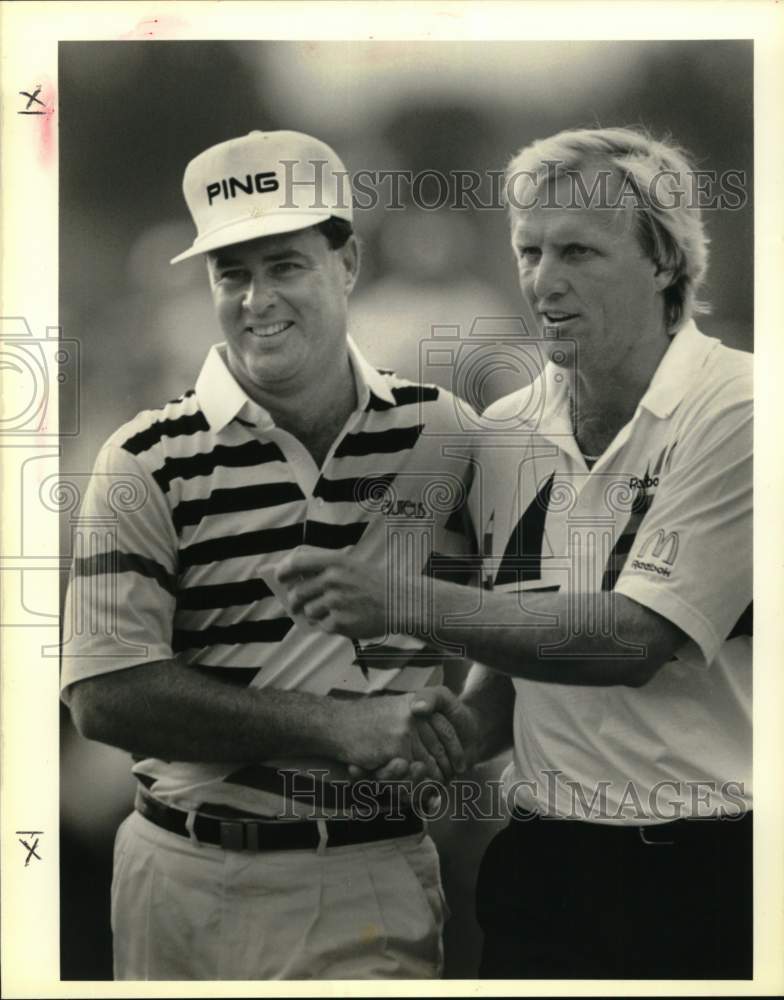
(252, 229)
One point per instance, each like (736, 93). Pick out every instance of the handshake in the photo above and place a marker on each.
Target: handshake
(426, 735)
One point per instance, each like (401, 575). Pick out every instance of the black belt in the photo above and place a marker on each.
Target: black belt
(692, 830)
(243, 832)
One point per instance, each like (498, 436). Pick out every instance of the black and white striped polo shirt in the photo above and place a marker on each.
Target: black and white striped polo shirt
(192, 506)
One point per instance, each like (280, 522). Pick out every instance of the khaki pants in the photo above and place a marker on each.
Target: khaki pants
(184, 911)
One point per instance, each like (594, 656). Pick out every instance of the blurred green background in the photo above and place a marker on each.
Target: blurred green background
(131, 116)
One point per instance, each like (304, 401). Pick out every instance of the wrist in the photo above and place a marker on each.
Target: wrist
(439, 609)
(333, 730)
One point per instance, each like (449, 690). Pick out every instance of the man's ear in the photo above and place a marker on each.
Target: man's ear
(662, 278)
(350, 256)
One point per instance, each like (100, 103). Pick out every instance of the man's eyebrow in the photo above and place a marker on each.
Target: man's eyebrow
(285, 253)
(224, 260)
(560, 237)
(522, 240)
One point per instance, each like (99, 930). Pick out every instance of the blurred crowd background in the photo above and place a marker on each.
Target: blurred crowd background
(131, 116)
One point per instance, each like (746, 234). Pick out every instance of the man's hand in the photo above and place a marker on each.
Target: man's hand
(437, 708)
(376, 731)
(342, 592)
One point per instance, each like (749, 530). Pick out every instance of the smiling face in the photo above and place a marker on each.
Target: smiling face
(583, 272)
(281, 303)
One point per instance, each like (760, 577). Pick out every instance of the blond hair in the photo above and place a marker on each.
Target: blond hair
(659, 175)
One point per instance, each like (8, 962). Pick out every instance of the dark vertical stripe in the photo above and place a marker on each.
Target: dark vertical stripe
(640, 506)
(623, 546)
(459, 520)
(522, 559)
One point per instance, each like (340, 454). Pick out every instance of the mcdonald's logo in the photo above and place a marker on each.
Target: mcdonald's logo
(661, 546)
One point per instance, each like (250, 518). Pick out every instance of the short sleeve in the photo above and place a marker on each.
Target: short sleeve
(692, 560)
(121, 599)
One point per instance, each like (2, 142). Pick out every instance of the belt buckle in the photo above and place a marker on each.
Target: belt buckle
(232, 835)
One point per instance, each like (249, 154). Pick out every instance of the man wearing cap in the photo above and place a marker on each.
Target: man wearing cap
(249, 855)
(614, 499)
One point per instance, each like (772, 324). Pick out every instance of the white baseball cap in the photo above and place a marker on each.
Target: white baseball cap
(261, 184)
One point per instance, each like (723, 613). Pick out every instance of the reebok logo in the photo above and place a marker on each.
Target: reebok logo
(646, 483)
(650, 567)
(252, 184)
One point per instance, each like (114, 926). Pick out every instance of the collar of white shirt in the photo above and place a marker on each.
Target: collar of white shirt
(675, 374)
(222, 398)
(677, 370)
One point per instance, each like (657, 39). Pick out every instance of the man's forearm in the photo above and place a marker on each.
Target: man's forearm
(574, 638)
(593, 639)
(170, 711)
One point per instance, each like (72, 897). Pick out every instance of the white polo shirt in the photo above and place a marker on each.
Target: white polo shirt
(190, 509)
(664, 516)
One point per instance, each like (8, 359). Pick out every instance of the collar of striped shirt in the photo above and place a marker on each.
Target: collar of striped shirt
(222, 398)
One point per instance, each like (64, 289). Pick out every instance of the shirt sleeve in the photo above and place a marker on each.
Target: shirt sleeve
(692, 560)
(120, 602)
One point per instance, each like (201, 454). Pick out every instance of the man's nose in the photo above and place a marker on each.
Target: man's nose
(260, 294)
(549, 277)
